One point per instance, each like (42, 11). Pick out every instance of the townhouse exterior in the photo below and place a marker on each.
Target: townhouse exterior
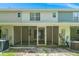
(39, 27)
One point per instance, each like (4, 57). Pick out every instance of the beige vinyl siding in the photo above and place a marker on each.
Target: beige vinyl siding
(44, 17)
(9, 17)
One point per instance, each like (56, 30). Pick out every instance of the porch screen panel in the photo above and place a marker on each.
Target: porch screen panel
(17, 35)
(49, 35)
(33, 35)
(41, 35)
(55, 35)
(24, 35)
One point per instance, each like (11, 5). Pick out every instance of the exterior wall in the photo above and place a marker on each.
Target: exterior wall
(12, 16)
(25, 16)
(48, 17)
(65, 16)
(44, 17)
(8, 30)
(9, 17)
(65, 32)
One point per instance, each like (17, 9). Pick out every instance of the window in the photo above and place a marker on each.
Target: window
(77, 31)
(54, 15)
(19, 14)
(35, 16)
(76, 16)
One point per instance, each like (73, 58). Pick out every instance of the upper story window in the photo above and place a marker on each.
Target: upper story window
(19, 14)
(35, 16)
(76, 16)
(54, 15)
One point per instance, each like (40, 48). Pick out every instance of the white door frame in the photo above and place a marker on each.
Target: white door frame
(45, 29)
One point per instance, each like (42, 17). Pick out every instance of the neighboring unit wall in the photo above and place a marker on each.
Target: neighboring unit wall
(65, 16)
(9, 17)
(44, 17)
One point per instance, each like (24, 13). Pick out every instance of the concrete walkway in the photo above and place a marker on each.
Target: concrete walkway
(42, 51)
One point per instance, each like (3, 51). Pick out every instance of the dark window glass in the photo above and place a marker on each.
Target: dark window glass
(19, 14)
(54, 14)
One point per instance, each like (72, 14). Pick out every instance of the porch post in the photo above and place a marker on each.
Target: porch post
(52, 35)
(13, 36)
(29, 30)
(45, 36)
(21, 35)
(37, 35)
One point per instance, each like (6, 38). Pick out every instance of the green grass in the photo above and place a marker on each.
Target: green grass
(7, 54)
(10, 52)
(75, 54)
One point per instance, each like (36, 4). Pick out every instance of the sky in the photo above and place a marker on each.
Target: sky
(39, 5)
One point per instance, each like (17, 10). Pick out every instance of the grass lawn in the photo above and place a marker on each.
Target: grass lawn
(75, 54)
(7, 54)
(13, 54)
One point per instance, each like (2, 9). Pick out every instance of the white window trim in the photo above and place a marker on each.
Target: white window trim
(34, 16)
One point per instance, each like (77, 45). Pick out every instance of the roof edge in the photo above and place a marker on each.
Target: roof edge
(67, 9)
